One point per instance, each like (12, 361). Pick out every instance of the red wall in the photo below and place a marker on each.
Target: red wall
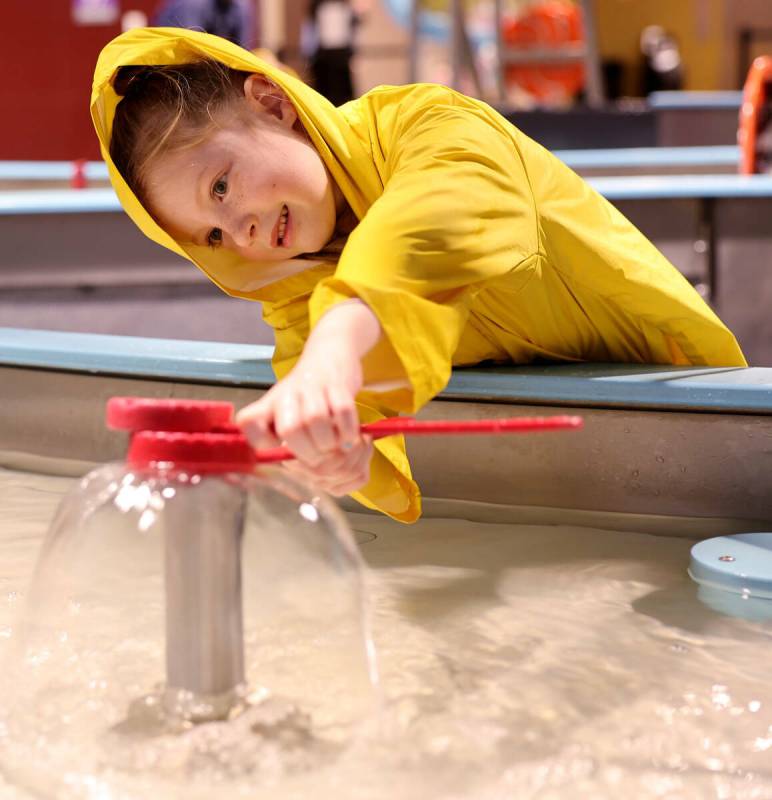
(45, 78)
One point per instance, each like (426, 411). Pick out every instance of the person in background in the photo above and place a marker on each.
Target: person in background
(663, 68)
(329, 40)
(231, 19)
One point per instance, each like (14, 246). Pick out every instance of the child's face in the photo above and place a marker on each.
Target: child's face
(259, 190)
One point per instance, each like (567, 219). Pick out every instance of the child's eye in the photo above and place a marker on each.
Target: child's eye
(214, 239)
(220, 186)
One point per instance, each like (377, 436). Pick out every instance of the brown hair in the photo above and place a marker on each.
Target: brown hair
(166, 108)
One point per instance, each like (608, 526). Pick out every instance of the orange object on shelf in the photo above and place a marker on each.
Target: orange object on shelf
(548, 25)
(757, 95)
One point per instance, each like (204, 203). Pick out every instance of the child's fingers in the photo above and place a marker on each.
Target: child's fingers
(342, 463)
(256, 423)
(292, 428)
(340, 472)
(318, 480)
(327, 471)
(260, 434)
(300, 470)
(348, 470)
(359, 474)
(319, 423)
(344, 415)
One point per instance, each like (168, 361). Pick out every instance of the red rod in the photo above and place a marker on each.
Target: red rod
(414, 427)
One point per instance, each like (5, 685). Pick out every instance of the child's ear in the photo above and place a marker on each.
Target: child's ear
(265, 97)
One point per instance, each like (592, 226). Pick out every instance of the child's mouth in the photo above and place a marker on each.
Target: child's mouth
(282, 228)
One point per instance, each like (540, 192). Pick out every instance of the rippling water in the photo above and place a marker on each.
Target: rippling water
(517, 661)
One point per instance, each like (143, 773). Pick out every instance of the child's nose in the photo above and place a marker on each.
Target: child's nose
(246, 231)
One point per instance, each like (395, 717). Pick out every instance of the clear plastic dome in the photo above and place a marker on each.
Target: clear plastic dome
(186, 624)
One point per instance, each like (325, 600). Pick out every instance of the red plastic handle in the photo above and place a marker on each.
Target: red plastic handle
(414, 427)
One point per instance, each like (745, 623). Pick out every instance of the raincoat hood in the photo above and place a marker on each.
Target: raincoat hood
(342, 152)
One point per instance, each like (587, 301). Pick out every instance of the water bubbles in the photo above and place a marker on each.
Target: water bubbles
(720, 696)
(36, 658)
(146, 520)
(762, 744)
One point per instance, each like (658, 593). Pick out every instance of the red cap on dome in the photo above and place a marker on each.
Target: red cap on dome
(190, 435)
(194, 452)
(159, 414)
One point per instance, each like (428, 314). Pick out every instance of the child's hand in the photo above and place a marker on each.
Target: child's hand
(341, 471)
(312, 410)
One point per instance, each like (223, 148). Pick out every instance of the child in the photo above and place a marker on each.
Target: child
(389, 239)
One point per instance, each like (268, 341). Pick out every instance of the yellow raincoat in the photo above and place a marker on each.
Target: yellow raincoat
(473, 243)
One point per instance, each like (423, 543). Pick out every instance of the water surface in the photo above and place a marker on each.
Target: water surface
(517, 661)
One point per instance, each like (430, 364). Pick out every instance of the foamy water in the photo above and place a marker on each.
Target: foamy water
(517, 661)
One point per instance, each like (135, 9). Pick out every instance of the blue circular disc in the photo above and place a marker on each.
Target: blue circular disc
(734, 574)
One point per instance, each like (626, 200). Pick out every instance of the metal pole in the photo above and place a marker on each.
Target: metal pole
(415, 11)
(204, 620)
(500, 66)
(595, 92)
(467, 51)
(456, 47)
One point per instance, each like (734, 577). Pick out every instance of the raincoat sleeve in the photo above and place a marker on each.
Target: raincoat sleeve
(615, 273)
(391, 488)
(456, 211)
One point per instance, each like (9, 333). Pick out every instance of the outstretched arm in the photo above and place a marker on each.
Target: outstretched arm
(312, 410)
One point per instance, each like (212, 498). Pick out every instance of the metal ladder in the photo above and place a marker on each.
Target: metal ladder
(462, 53)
